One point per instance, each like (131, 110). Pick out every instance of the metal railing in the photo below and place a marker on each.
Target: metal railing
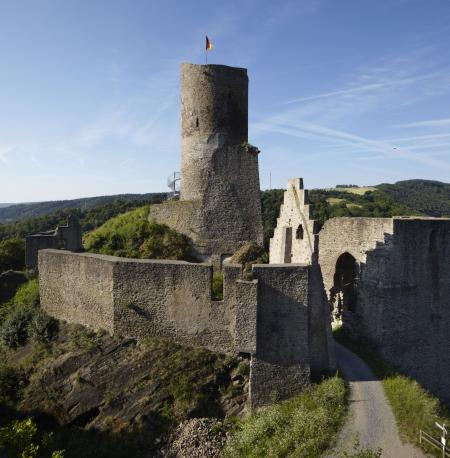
(425, 437)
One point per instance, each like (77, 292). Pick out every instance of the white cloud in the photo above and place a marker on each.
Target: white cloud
(428, 123)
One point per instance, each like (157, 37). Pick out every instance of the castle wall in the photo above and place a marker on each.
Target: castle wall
(355, 236)
(280, 367)
(140, 298)
(402, 301)
(77, 288)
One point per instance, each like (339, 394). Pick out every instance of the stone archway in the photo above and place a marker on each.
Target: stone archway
(343, 294)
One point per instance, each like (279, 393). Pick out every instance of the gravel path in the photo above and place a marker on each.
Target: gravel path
(371, 420)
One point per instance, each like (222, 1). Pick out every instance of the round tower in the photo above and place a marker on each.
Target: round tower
(214, 116)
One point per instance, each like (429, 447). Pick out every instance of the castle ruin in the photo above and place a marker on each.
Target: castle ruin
(389, 276)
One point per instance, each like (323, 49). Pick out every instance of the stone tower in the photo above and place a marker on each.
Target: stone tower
(219, 168)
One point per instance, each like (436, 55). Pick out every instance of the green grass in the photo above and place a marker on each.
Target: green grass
(304, 426)
(131, 235)
(360, 191)
(334, 200)
(414, 408)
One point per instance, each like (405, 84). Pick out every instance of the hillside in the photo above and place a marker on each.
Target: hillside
(10, 213)
(427, 197)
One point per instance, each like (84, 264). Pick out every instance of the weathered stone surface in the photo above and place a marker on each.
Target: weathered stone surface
(294, 238)
(281, 366)
(220, 207)
(401, 294)
(140, 298)
(68, 237)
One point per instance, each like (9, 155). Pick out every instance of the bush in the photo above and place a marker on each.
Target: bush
(14, 331)
(19, 439)
(42, 328)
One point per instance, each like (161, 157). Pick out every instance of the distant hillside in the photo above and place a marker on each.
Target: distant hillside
(11, 213)
(427, 197)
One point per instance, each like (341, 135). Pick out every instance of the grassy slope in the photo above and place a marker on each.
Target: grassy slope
(131, 235)
(414, 408)
(304, 426)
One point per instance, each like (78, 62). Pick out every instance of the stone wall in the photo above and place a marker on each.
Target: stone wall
(401, 300)
(294, 239)
(140, 298)
(77, 288)
(68, 237)
(355, 236)
(272, 317)
(285, 352)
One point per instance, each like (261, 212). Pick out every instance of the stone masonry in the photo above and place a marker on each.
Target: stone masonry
(68, 237)
(392, 277)
(220, 206)
(273, 318)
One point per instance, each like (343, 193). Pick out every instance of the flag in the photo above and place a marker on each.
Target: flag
(209, 45)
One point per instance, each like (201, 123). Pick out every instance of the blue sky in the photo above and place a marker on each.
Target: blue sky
(348, 91)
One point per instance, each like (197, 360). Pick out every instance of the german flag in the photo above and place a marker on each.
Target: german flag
(209, 45)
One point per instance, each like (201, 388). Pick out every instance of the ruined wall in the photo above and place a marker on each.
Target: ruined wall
(294, 239)
(356, 236)
(77, 288)
(280, 366)
(140, 298)
(402, 301)
(68, 237)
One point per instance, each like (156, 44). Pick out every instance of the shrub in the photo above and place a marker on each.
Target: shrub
(42, 328)
(14, 331)
(19, 439)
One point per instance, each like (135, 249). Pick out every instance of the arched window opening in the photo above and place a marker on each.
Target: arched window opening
(299, 232)
(344, 292)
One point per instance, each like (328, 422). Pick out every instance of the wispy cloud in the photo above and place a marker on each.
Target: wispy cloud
(428, 123)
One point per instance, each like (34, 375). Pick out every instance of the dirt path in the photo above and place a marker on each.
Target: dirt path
(371, 420)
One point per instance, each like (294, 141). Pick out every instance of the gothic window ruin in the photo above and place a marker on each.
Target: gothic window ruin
(288, 246)
(299, 232)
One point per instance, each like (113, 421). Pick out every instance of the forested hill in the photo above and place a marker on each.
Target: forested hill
(427, 197)
(18, 212)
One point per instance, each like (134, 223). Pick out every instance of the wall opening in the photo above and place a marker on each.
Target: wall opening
(196, 122)
(288, 245)
(344, 292)
(299, 233)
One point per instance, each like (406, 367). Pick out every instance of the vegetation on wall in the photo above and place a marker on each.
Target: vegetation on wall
(131, 235)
